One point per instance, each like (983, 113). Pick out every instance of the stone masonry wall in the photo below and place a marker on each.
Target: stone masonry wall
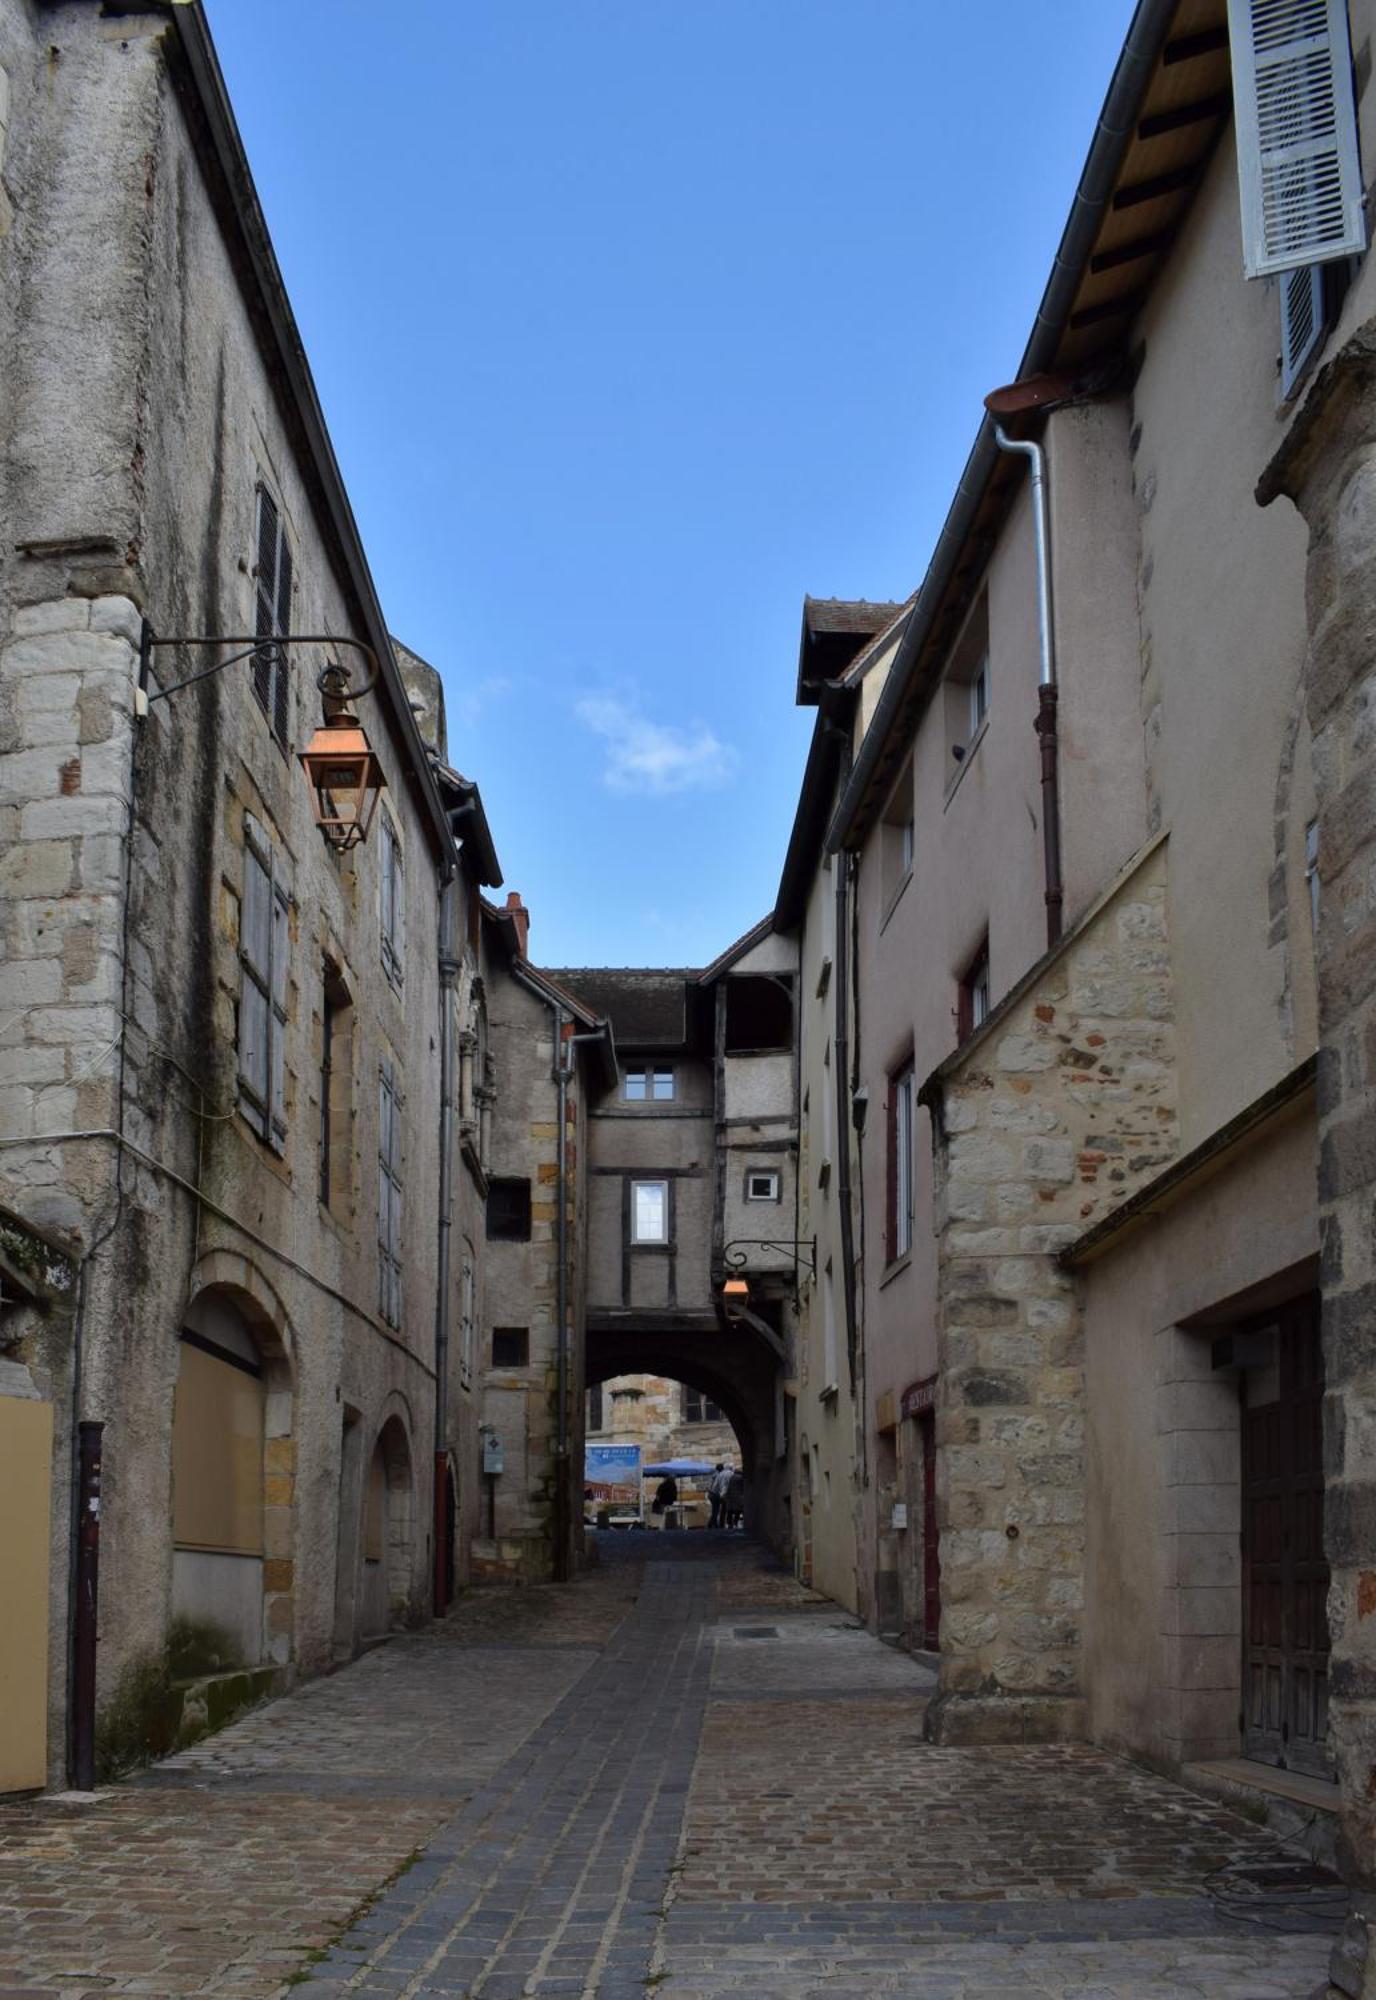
(1329, 470)
(1060, 1107)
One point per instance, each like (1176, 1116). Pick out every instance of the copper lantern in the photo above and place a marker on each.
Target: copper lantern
(345, 778)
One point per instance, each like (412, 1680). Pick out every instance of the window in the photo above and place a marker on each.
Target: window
(759, 1014)
(700, 1409)
(968, 691)
(392, 898)
(762, 1185)
(642, 1084)
(828, 1329)
(264, 956)
(272, 616)
(649, 1211)
(508, 1211)
(1311, 870)
(972, 998)
(511, 1348)
(389, 1195)
(336, 1087)
(900, 1207)
(979, 697)
(1299, 173)
(594, 1408)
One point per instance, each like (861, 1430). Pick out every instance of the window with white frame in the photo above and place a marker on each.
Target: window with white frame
(264, 961)
(900, 1206)
(649, 1211)
(272, 616)
(897, 839)
(979, 697)
(391, 899)
(967, 689)
(389, 1194)
(829, 1377)
(645, 1083)
(762, 1184)
(972, 998)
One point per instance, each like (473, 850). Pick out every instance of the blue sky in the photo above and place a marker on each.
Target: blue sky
(633, 321)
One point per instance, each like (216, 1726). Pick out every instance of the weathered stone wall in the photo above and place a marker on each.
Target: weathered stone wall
(1329, 470)
(1049, 1117)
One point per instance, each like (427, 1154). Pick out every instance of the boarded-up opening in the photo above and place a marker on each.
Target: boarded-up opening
(26, 1453)
(217, 1479)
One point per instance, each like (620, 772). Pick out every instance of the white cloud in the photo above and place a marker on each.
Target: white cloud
(653, 757)
(470, 703)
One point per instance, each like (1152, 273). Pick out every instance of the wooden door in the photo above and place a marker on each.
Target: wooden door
(931, 1540)
(1285, 1575)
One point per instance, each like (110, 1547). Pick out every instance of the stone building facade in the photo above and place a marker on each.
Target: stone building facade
(220, 1069)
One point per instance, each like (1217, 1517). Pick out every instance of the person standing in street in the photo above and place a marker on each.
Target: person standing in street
(716, 1493)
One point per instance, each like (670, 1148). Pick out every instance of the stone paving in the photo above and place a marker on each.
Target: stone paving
(682, 1776)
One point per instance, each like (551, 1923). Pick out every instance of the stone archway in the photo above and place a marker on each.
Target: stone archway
(388, 1532)
(233, 1473)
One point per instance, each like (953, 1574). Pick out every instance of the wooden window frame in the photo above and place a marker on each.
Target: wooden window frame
(899, 1204)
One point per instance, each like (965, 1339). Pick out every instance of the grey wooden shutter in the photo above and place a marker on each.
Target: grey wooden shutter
(1299, 172)
(389, 1196)
(281, 719)
(255, 982)
(1301, 321)
(393, 902)
(264, 960)
(265, 598)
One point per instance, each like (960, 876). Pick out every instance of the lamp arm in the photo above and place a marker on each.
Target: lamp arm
(257, 643)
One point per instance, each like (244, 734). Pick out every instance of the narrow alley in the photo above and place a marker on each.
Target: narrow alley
(682, 1774)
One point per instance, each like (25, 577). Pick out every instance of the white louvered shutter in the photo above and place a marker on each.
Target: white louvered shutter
(1301, 321)
(255, 950)
(277, 1013)
(1299, 173)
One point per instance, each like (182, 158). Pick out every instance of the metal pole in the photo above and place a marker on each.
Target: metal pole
(87, 1596)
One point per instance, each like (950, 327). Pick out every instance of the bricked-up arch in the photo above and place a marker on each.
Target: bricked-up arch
(737, 1369)
(388, 1527)
(236, 1278)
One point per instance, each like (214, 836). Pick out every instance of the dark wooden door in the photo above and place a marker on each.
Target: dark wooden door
(931, 1540)
(1284, 1574)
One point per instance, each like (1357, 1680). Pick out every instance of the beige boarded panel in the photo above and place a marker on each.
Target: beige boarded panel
(26, 1458)
(217, 1456)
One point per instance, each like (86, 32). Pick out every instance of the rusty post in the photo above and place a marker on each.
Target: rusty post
(83, 1695)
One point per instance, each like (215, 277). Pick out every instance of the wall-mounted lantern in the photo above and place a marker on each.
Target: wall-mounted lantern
(341, 766)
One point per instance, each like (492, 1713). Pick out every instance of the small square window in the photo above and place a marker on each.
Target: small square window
(508, 1211)
(510, 1346)
(762, 1186)
(972, 1000)
(649, 1211)
(642, 1084)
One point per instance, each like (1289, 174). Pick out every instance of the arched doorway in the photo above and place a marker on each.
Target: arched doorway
(388, 1526)
(231, 1487)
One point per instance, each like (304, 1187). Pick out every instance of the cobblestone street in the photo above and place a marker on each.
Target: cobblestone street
(681, 1775)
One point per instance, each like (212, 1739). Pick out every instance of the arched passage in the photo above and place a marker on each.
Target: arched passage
(740, 1373)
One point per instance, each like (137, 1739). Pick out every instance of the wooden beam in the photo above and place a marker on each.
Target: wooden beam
(1204, 108)
(1120, 308)
(1185, 48)
(1174, 182)
(1128, 253)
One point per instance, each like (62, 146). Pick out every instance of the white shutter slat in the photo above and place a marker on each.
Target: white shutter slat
(1299, 170)
(253, 1049)
(254, 917)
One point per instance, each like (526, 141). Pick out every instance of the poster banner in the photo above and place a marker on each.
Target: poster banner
(612, 1473)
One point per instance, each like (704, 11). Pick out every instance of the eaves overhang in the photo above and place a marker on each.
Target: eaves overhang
(1167, 104)
(196, 72)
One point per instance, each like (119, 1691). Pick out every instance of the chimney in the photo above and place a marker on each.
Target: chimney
(520, 916)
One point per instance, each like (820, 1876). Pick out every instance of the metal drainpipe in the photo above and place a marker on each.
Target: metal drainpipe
(1047, 694)
(841, 1071)
(448, 971)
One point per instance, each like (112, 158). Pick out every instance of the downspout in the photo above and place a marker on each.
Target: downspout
(841, 1067)
(449, 967)
(1047, 693)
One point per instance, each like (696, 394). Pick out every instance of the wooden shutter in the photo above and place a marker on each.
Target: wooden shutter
(264, 959)
(389, 1196)
(1301, 321)
(255, 961)
(265, 598)
(392, 902)
(1299, 173)
(281, 719)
